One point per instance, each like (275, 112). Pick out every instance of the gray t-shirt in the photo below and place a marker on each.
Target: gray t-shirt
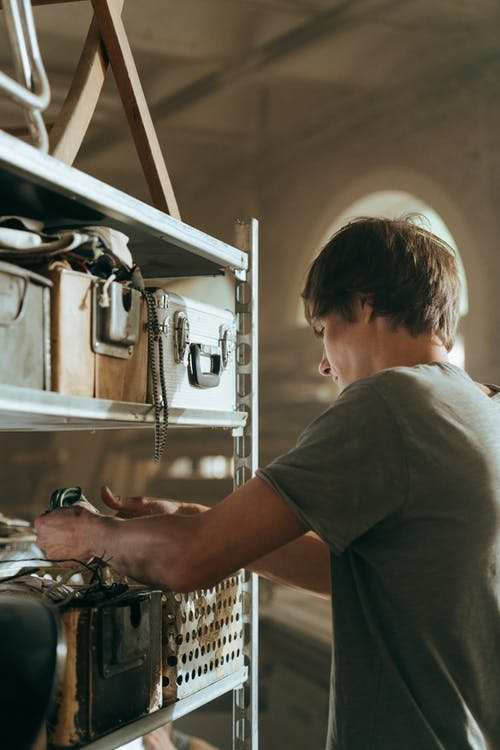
(401, 478)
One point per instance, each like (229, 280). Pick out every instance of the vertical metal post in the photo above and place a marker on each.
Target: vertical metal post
(246, 457)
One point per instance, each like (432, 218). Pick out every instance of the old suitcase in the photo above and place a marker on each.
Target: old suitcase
(113, 668)
(97, 351)
(24, 328)
(199, 353)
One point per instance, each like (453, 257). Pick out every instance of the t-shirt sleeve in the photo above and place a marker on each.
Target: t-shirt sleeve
(348, 471)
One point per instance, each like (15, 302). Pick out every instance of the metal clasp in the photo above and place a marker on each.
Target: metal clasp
(181, 336)
(227, 338)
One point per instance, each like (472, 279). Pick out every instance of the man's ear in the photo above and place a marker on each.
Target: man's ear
(363, 308)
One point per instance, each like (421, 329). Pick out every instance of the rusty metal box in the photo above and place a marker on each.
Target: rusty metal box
(202, 637)
(93, 354)
(24, 328)
(113, 668)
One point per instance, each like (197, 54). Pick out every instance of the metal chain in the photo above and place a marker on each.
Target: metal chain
(157, 370)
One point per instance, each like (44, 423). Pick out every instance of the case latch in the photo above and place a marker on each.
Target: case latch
(181, 336)
(227, 338)
(115, 328)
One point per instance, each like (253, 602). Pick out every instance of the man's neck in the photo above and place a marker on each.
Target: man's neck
(400, 349)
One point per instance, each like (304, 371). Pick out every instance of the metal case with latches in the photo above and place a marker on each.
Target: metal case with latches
(113, 667)
(97, 349)
(199, 342)
(24, 328)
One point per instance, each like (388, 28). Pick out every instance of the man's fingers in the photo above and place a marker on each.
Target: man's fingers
(111, 500)
(119, 502)
(127, 506)
(187, 509)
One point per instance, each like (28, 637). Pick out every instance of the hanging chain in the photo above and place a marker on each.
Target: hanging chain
(156, 365)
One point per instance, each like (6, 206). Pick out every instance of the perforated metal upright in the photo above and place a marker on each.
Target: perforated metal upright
(246, 456)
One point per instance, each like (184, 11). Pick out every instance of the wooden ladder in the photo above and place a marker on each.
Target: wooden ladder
(107, 45)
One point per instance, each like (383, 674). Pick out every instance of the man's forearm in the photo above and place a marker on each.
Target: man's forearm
(303, 564)
(154, 549)
(176, 551)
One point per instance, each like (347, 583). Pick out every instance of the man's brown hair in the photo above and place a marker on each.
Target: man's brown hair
(406, 272)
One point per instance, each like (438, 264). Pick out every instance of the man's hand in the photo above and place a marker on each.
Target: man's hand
(176, 549)
(65, 534)
(135, 507)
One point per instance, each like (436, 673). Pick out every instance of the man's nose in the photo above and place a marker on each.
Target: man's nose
(324, 365)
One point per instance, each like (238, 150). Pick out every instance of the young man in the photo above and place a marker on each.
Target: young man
(398, 488)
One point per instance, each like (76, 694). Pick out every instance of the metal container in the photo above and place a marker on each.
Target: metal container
(202, 637)
(199, 353)
(97, 350)
(113, 667)
(24, 328)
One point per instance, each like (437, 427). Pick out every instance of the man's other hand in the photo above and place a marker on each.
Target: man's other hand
(134, 507)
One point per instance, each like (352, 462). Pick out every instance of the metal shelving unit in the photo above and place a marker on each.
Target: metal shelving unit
(177, 710)
(23, 409)
(36, 185)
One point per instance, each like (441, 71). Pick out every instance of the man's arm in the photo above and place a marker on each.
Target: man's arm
(302, 564)
(177, 552)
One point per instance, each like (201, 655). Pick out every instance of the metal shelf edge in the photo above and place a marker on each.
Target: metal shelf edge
(23, 159)
(175, 711)
(24, 409)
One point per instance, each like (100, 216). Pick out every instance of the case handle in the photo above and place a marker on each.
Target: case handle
(200, 378)
(14, 316)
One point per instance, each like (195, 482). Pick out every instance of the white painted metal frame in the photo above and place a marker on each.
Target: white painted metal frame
(26, 409)
(140, 727)
(31, 91)
(246, 458)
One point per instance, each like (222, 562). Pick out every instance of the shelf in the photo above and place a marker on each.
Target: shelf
(37, 185)
(148, 723)
(26, 409)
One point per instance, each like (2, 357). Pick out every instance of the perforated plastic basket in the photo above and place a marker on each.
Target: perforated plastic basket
(202, 637)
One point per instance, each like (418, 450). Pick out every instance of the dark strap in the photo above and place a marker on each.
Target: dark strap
(157, 370)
